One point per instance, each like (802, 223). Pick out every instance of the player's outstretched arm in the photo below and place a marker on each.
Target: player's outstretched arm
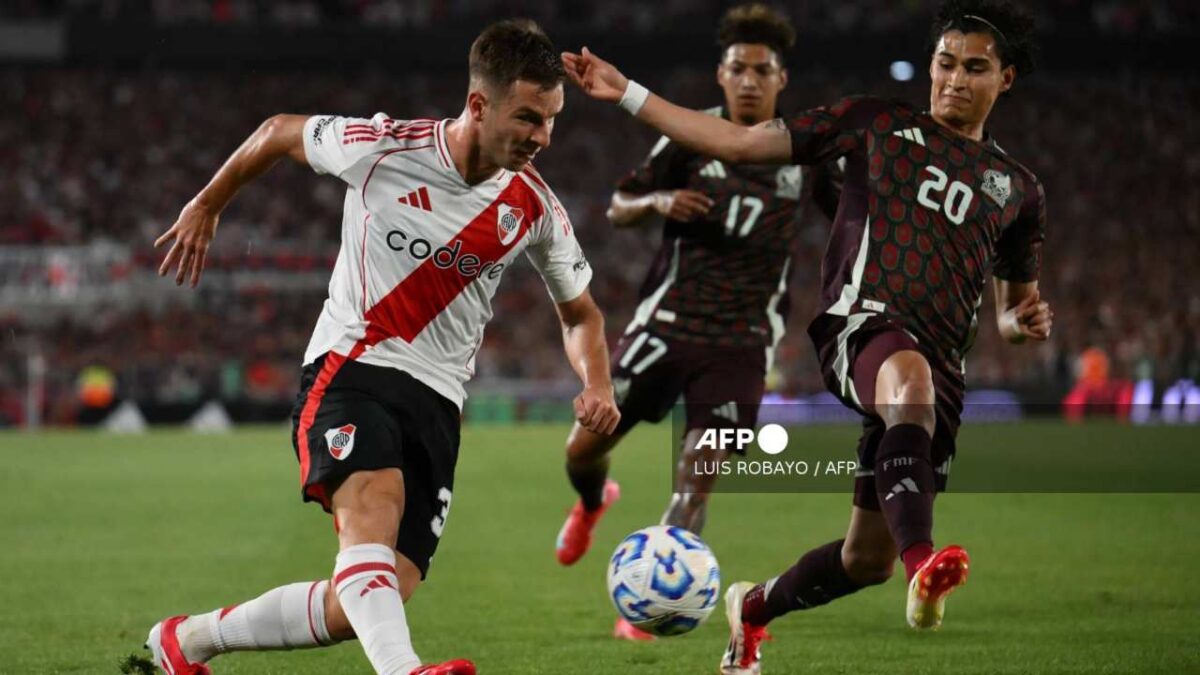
(632, 210)
(1020, 312)
(708, 135)
(583, 339)
(279, 136)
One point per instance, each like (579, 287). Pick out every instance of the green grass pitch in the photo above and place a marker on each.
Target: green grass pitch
(104, 535)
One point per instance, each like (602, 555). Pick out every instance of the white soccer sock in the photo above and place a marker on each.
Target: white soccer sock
(366, 584)
(288, 617)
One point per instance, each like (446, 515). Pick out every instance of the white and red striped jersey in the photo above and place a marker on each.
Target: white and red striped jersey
(422, 252)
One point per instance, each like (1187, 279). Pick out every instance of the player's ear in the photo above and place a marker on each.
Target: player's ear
(476, 102)
(783, 78)
(1008, 75)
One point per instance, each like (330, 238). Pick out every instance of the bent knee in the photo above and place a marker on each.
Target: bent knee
(584, 446)
(868, 567)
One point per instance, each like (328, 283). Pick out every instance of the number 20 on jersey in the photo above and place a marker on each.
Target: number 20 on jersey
(954, 202)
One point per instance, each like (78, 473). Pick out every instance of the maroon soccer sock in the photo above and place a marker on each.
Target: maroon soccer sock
(816, 579)
(905, 486)
(588, 480)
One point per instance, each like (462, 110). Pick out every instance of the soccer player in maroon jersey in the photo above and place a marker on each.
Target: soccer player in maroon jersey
(930, 206)
(434, 211)
(713, 303)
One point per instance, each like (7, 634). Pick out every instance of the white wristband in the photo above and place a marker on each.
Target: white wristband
(634, 97)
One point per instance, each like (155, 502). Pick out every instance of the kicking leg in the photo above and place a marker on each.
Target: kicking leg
(307, 614)
(587, 468)
(369, 506)
(905, 483)
(839, 568)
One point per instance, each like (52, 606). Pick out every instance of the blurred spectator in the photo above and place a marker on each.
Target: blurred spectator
(1095, 391)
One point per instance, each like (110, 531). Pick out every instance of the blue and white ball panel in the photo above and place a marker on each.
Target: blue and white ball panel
(664, 580)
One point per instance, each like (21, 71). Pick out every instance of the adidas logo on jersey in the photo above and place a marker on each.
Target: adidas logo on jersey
(914, 134)
(714, 169)
(418, 199)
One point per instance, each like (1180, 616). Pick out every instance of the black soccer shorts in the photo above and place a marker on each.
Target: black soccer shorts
(352, 416)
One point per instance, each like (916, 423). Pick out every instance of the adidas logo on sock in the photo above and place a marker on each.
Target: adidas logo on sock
(905, 485)
(380, 581)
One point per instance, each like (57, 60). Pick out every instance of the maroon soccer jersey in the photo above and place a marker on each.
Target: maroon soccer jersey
(925, 215)
(722, 279)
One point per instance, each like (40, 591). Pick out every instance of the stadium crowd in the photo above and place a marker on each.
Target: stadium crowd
(1118, 17)
(101, 155)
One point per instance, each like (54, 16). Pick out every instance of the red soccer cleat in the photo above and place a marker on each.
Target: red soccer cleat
(742, 656)
(940, 574)
(163, 643)
(575, 537)
(455, 667)
(623, 630)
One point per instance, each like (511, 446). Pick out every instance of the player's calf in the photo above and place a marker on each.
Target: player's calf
(369, 506)
(688, 507)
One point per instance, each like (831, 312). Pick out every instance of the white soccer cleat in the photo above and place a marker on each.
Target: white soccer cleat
(940, 574)
(742, 655)
(163, 643)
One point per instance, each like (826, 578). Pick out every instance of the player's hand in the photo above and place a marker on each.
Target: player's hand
(683, 205)
(192, 233)
(1032, 318)
(595, 76)
(596, 410)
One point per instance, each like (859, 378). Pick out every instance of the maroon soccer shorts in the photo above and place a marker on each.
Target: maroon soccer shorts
(721, 386)
(851, 350)
(352, 416)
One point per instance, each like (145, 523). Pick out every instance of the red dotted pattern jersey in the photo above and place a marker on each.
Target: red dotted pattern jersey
(925, 215)
(722, 279)
(422, 251)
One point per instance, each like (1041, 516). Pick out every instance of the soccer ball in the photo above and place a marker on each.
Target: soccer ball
(664, 580)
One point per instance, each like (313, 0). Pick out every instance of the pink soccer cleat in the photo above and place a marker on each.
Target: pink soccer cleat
(163, 643)
(623, 630)
(455, 667)
(575, 537)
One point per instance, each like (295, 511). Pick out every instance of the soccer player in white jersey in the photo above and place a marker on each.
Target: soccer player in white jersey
(434, 212)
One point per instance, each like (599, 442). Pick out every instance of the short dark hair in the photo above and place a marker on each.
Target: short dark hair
(758, 24)
(1008, 24)
(515, 49)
